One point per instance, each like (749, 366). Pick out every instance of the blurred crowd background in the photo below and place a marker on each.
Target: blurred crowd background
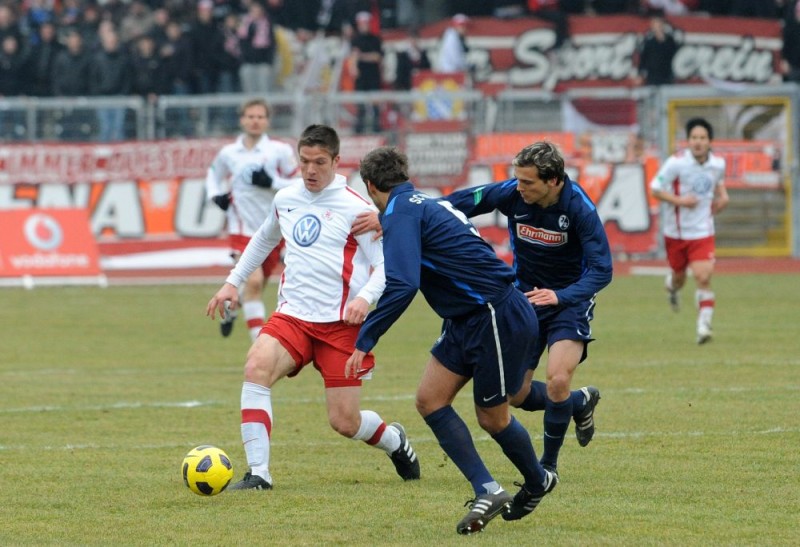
(182, 47)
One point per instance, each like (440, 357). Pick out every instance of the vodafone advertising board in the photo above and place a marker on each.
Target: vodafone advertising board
(47, 242)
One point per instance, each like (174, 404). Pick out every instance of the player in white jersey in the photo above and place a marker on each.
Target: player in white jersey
(330, 280)
(690, 184)
(242, 181)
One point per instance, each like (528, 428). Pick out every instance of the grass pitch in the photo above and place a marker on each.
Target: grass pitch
(105, 390)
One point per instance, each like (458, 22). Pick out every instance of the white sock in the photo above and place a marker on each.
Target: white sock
(705, 306)
(257, 427)
(668, 282)
(255, 315)
(389, 440)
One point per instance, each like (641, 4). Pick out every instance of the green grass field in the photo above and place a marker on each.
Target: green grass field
(105, 390)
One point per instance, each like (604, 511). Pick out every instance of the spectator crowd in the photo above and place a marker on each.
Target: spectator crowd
(179, 47)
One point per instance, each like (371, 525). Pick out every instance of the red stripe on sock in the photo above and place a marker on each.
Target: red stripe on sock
(259, 416)
(376, 438)
(706, 304)
(257, 322)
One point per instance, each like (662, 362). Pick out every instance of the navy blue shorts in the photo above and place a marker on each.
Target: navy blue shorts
(492, 346)
(562, 323)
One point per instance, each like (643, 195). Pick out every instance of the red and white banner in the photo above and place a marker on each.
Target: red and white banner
(47, 243)
(602, 51)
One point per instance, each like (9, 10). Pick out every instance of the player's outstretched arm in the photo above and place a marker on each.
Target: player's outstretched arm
(217, 303)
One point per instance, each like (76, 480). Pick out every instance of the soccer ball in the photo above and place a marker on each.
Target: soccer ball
(207, 470)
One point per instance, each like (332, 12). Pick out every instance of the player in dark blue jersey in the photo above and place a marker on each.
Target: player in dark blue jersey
(486, 336)
(562, 259)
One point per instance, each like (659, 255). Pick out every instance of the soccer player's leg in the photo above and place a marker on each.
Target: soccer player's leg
(563, 357)
(701, 256)
(678, 260)
(278, 352)
(332, 348)
(444, 376)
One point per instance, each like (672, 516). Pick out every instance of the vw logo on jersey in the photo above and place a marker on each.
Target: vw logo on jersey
(306, 230)
(43, 232)
(563, 222)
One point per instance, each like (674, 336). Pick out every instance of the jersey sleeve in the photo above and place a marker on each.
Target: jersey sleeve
(597, 262)
(402, 249)
(216, 177)
(483, 199)
(665, 176)
(261, 244)
(374, 287)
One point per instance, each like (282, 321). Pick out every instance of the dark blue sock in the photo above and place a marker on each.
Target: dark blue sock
(556, 421)
(537, 397)
(578, 402)
(516, 444)
(456, 441)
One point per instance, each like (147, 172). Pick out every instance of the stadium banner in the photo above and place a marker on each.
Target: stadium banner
(602, 51)
(47, 243)
(144, 202)
(147, 209)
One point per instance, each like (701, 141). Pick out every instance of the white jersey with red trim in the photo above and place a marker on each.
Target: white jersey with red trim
(232, 171)
(326, 266)
(682, 175)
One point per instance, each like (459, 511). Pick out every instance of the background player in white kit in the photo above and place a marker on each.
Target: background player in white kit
(330, 280)
(690, 183)
(242, 181)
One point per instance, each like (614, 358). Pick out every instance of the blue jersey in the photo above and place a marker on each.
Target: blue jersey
(562, 247)
(430, 246)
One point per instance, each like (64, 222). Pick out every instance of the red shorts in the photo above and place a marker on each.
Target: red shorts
(682, 252)
(239, 242)
(328, 345)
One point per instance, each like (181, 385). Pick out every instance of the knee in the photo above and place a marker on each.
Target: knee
(345, 426)
(493, 423)
(428, 405)
(260, 369)
(558, 386)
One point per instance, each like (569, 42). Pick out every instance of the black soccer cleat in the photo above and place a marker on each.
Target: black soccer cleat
(526, 501)
(584, 420)
(251, 482)
(226, 321)
(404, 458)
(483, 509)
(674, 303)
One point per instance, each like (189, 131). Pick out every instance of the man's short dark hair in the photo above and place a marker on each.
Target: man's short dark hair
(323, 136)
(385, 167)
(545, 157)
(699, 122)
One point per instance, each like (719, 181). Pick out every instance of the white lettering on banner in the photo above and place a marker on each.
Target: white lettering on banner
(610, 147)
(195, 215)
(47, 261)
(119, 210)
(63, 195)
(625, 200)
(9, 201)
(530, 50)
(726, 63)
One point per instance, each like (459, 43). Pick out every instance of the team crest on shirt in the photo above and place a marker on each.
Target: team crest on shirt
(306, 230)
(328, 215)
(563, 222)
(540, 236)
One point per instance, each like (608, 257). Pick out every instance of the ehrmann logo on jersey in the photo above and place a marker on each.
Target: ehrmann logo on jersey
(306, 230)
(540, 236)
